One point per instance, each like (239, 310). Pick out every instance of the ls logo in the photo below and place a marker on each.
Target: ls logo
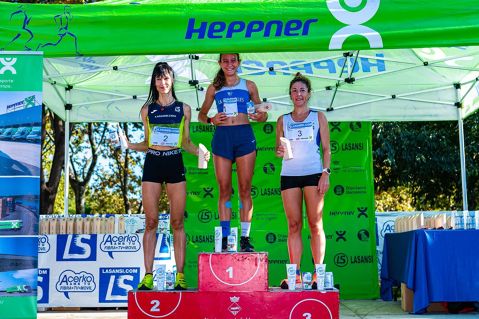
(43, 286)
(76, 247)
(8, 65)
(116, 282)
(356, 13)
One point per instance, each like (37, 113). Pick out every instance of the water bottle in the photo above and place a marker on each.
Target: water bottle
(470, 220)
(159, 275)
(250, 107)
(458, 220)
(113, 136)
(164, 253)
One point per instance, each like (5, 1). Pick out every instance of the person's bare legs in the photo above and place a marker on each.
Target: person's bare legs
(151, 193)
(245, 168)
(177, 198)
(314, 211)
(292, 203)
(223, 170)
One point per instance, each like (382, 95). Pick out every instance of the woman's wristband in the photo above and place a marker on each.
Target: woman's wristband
(209, 121)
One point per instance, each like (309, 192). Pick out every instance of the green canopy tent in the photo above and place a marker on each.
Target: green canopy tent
(96, 59)
(365, 58)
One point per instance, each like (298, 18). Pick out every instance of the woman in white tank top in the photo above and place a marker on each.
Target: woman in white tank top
(303, 174)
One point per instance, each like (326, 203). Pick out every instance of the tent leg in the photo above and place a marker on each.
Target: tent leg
(462, 150)
(463, 162)
(66, 163)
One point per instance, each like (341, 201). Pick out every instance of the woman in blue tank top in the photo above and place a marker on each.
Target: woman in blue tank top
(303, 174)
(167, 129)
(233, 140)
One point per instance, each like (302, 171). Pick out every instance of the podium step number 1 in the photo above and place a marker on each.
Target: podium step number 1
(234, 286)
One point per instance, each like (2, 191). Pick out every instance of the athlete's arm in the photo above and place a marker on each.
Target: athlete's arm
(323, 184)
(186, 143)
(279, 133)
(253, 93)
(142, 146)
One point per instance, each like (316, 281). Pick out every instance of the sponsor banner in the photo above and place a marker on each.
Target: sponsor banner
(93, 270)
(348, 213)
(212, 27)
(21, 76)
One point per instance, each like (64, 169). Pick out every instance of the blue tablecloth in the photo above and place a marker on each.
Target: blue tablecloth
(438, 265)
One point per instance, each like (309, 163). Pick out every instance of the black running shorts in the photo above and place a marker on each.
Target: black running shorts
(299, 181)
(164, 166)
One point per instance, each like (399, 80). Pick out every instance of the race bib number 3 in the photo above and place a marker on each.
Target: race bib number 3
(165, 136)
(301, 132)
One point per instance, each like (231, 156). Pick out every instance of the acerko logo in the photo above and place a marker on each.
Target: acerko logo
(354, 15)
(8, 65)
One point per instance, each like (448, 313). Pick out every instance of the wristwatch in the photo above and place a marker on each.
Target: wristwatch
(327, 171)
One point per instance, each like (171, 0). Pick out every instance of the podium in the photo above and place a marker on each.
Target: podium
(234, 286)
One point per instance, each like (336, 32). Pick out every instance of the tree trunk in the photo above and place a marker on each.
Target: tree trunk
(124, 184)
(49, 189)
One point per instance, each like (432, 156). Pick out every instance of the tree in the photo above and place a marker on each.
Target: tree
(84, 157)
(422, 160)
(53, 152)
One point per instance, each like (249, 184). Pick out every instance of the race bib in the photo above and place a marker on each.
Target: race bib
(301, 132)
(165, 136)
(230, 106)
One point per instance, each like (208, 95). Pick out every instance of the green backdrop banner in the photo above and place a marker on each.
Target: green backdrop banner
(174, 27)
(20, 112)
(348, 214)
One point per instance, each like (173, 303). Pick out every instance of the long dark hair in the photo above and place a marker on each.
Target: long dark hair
(220, 79)
(161, 69)
(298, 77)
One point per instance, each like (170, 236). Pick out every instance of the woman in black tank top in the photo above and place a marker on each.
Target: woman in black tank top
(164, 164)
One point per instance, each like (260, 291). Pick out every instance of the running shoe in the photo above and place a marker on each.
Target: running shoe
(146, 283)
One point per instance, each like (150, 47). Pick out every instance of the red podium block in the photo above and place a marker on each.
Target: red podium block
(274, 304)
(233, 272)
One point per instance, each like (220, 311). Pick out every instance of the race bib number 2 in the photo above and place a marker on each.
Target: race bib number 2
(165, 136)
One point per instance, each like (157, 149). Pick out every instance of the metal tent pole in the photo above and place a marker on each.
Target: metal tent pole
(462, 149)
(66, 166)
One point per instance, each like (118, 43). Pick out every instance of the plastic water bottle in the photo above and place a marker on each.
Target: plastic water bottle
(250, 107)
(164, 252)
(458, 220)
(470, 219)
(113, 136)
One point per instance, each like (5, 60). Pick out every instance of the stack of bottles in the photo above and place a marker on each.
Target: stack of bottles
(99, 224)
(451, 220)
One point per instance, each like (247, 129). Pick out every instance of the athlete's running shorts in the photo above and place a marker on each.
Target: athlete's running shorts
(299, 181)
(233, 141)
(164, 166)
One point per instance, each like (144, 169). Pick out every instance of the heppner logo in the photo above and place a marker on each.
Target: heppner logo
(43, 244)
(325, 66)
(76, 247)
(354, 16)
(120, 243)
(240, 29)
(116, 282)
(43, 285)
(70, 281)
